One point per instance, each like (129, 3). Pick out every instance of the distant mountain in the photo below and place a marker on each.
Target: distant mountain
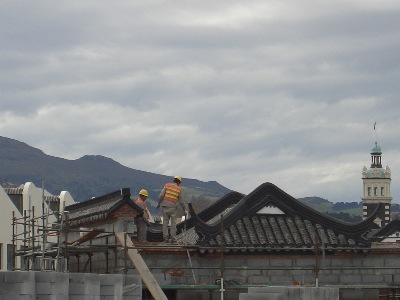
(95, 175)
(87, 177)
(345, 211)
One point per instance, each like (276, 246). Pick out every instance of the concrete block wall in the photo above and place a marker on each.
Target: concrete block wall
(283, 270)
(17, 285)
(69, 286)
(292, 293)
(51, 285)
(338, 269)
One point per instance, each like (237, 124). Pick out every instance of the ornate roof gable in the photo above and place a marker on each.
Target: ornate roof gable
(299, 226)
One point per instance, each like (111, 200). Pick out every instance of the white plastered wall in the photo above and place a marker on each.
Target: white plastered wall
(7, 208)
(32, 198)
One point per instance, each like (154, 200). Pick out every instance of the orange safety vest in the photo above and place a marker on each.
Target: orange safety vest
(172, 192)
(146, 210)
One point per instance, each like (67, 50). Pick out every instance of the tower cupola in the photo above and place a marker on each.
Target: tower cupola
(376, 156)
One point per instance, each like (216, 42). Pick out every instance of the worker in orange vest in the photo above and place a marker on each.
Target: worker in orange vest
(169, 199)
(144, 221)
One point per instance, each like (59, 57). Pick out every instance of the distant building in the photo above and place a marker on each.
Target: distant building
(376, 188)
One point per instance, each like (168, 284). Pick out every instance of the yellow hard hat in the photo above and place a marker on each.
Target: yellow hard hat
(178, 177)
(144, 193)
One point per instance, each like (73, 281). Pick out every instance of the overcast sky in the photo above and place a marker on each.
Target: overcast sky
(240, 92)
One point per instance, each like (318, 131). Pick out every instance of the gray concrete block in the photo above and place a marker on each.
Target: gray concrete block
(257, 280)
(27, 276)
(11, 288)
(46, 289)
(83, 297)
(57, 282)
(27, 288)
(281, 263)
(350, 279)
(12, 277)
(129, 279)
(45, 277)
(46, 297)
(19, 297)
(328, 279)
(307, 262)
(358, 294)
(366, 279)
(256, 263)
(391, 262)
(163, 278)
(284, 291)
(111, 285)
(184, 295)
(331, 294)
(268, 296)
(298, 293)
(84, 284)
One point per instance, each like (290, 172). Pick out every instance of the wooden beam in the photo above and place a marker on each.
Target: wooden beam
(86, 237)
(141, 267)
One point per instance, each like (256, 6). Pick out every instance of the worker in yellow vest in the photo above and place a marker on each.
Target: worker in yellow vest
(169, 199)
(144, 221)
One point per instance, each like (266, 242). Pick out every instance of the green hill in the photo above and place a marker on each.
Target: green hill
(87, 177)
(345, 211)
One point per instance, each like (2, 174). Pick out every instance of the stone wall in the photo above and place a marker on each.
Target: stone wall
(69, 286)
(355, 273)
(283, 270)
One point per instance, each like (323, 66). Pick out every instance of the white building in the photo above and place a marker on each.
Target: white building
(21, 206)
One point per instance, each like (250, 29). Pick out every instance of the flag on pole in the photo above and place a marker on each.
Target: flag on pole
(374, 125)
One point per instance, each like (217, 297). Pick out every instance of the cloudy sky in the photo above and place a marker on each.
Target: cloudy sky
(241, 92)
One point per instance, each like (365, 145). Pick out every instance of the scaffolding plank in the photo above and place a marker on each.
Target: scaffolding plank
(87, 236)
(141, 267)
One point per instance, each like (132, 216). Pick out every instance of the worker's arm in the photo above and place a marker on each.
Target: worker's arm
(182, 202)
(161, 197)
(143, 215)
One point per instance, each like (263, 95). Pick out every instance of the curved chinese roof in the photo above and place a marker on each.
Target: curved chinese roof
(100, 208)
(268, 219)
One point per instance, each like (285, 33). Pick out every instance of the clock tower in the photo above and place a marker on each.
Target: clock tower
(376, 188)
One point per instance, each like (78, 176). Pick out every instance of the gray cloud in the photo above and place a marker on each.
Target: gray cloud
(239, 93)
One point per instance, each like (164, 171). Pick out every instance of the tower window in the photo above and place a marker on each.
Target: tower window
(369, 191)
(382, 191)
(375, 191)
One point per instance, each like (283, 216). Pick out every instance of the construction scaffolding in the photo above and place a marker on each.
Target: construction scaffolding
(44, 245)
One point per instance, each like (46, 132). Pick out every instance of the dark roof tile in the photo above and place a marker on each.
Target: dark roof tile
(298, 227)
(99, 208)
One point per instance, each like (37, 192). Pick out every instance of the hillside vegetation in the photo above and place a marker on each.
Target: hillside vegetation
(87, 177)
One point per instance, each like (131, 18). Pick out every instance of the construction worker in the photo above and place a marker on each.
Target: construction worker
(144, 221)
(169, 199)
